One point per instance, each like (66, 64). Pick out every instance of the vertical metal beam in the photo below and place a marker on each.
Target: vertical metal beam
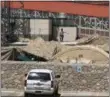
(7, 7)
(62, 17)
(22, 17)
(95, 26)
(79, 26)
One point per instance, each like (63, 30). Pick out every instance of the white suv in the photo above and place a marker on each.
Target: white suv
(41, 81)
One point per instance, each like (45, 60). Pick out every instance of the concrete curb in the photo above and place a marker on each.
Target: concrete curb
(84, 93)
(15, 92)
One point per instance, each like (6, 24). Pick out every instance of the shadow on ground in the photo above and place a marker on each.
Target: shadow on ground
(44, 95)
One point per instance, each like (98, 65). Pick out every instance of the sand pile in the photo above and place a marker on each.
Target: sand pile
(85, 39)
(89, 54)
(99, 41)
(105, 47)
(44, 48)
(48, 49)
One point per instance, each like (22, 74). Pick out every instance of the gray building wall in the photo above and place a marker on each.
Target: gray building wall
(41, 27)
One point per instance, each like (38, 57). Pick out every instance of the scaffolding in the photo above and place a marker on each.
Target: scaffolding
(8, 33)
(5, 22)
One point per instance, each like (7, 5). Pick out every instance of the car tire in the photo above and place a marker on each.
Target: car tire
(53, 95)
(56, 92)
(26, 95)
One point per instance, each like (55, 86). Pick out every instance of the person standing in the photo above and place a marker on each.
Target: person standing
(61, 35)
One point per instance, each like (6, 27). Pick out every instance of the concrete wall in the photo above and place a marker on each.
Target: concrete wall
(41, 27)
(89, 78)
(69, 35)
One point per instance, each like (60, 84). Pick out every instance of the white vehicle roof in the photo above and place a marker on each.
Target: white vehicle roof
(41, 70)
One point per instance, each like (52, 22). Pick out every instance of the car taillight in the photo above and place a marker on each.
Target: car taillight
(25, 82)
(51, 83)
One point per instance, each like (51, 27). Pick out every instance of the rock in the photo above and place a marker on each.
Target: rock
(70, 79)
(84, 81)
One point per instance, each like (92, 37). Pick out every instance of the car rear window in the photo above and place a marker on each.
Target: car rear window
(39, 76)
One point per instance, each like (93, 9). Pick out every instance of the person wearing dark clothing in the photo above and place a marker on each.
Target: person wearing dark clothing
(61, 35)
